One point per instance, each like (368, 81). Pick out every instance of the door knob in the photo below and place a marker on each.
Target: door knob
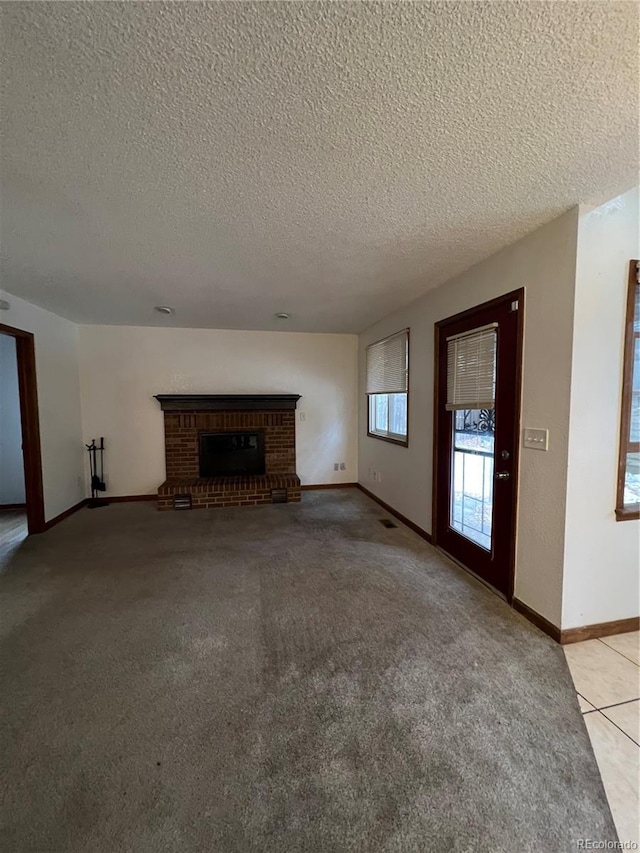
(502, 475)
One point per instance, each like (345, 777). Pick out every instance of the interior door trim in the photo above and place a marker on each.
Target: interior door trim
(512, 296)
(30, 424)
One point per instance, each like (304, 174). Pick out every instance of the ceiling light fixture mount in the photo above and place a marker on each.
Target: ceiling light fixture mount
(163, 309)
(282, 315)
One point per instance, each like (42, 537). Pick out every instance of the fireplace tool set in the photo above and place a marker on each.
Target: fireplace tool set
(97, 479)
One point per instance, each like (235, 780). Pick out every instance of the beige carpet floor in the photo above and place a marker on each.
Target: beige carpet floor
(283, 678)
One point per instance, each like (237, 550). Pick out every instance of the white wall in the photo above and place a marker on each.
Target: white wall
(602, 559)
(543, 263)
(122, 367)
(58, 402)
(11, 462)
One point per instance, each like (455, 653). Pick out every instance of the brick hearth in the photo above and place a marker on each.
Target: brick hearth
(182, 429)
(229, 491)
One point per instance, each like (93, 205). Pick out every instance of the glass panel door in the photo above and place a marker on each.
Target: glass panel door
(477, 442)
(471, 510)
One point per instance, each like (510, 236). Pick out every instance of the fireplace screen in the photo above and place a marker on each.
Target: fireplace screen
(231, 453)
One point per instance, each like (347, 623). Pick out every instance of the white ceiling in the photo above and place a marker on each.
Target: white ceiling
(333, 160)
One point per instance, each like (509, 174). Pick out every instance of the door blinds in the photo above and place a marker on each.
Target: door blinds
(387, 363)
(471, 369)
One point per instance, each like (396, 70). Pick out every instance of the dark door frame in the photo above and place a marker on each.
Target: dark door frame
(514, 295)
(26, 357)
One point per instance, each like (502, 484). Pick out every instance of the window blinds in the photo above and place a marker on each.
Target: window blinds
(387, 364)
(471, 369)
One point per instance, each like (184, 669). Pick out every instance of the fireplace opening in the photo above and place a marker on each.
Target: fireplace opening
(229, 454)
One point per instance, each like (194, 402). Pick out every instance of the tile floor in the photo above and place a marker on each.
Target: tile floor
(606, 674)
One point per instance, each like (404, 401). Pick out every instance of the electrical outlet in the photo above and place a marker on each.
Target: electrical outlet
(343, 467)
(379, 477)
(336, 466)
(303, 416)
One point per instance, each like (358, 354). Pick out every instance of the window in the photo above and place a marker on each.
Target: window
(471, 395)
(628, 500)
(387, 387)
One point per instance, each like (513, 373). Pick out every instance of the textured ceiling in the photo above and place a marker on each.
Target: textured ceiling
(333, 160)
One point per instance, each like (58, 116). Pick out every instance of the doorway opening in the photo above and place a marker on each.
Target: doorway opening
(23, 431)
(478, 375)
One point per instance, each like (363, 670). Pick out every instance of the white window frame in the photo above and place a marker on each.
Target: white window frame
(386, 434)
(398, 437)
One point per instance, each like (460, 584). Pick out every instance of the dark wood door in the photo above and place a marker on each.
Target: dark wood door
(27, 385)
(476, 450)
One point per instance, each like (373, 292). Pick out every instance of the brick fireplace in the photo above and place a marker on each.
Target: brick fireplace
(193, 422)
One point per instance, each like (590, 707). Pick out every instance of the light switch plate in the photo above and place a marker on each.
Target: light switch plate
(536, 439)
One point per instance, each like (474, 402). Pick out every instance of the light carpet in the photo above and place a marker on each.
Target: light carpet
(283, 678)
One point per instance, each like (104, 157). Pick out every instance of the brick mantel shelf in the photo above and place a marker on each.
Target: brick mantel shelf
(188, 416)
(227, 402)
